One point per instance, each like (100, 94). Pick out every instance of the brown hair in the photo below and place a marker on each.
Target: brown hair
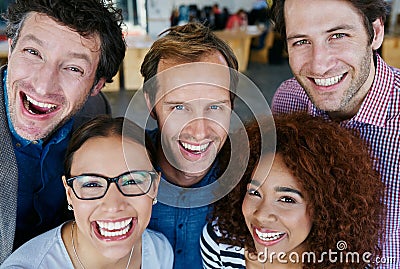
(186, 43)
(336, 174)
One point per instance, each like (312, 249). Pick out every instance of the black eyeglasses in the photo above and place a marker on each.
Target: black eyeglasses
(94, 186)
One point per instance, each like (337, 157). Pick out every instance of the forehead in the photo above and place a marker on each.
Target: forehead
(209, 78)
(277, 174)
(42, 25)
(314, 15)
(110, 156)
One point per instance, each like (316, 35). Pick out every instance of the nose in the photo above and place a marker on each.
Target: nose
(198, 128)
(266, 212)
(321, 59)
(45, 79)
(114, 200)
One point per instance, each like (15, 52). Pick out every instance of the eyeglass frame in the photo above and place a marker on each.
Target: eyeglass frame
(153, 176)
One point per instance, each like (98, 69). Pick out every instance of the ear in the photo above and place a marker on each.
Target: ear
(67, 190)
(150, 107)
(97, 88)
(379, 33)
(9, 48)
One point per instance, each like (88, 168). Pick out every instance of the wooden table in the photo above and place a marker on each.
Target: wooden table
(240, 42)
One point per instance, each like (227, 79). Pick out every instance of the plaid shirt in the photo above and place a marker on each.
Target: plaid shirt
(378, 122)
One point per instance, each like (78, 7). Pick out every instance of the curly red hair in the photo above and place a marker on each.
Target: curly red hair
(335, 172)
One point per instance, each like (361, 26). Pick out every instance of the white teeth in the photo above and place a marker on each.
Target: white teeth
(328, 81)
(114, 228)
(200, 148)
(117, 233)
(269, 236)
(40, 104)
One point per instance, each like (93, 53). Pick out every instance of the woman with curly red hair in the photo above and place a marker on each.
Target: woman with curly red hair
(314, 201)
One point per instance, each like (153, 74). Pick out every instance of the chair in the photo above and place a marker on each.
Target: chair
(262, 55)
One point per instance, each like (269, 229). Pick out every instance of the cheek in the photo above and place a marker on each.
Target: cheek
(83, 212)
(247, 209)
(143, 208)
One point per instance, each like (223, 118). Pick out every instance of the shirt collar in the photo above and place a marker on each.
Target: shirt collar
(374, 109)
(56, 137)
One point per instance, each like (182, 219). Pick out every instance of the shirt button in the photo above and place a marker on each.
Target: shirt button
(180, 226)
(34, 142)
(179, 251)
(18, 145)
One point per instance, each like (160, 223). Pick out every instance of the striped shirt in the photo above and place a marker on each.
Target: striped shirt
(215, 255)
(378, 121)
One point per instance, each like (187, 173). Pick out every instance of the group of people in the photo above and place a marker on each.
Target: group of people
(320, 176)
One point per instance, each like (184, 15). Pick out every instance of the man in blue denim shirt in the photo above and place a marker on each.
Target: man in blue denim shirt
(60, 53)
(189, 77)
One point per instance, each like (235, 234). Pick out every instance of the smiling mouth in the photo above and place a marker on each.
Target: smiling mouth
(195, 149)
(113, 229)
(326, 82)
(37, 108)
(267, 237)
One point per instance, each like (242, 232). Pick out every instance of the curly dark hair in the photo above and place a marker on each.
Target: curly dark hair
(370, 10)
(86, 17)
(186, 43)
(336, 174)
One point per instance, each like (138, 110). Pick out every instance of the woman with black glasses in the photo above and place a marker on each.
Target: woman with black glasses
(111, 186)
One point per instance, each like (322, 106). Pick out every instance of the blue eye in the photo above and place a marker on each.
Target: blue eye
(215, 107)
(179, 107)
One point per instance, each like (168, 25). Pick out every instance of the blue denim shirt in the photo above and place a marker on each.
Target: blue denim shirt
(183, 226)
(41, 201)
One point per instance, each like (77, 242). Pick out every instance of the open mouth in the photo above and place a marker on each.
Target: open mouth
(114, 229)
(195, 149)
(35, 107)
(270, 236)
(326, 82)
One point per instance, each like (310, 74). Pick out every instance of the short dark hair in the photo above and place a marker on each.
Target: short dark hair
(106, 126)
(86, 17)
(186, 43)
(370, 10)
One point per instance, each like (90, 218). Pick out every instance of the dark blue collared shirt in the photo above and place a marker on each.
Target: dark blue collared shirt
(41, 198)
(183, 226)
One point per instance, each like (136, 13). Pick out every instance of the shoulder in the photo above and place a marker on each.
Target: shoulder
(217, 255)
(156, 250)
(289, 97)
(44, 251)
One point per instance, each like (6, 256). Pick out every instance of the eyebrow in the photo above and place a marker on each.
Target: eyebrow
(336, 28)
(31, 37)
(287, 189)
